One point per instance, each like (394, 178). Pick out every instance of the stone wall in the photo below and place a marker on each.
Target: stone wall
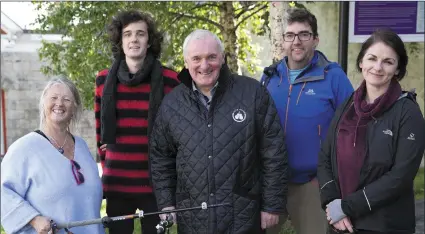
(23, 83)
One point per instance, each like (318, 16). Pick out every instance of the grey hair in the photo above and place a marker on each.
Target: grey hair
(78, 110)
(201, 34)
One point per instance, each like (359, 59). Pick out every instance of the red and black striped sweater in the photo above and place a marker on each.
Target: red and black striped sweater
(125, 164)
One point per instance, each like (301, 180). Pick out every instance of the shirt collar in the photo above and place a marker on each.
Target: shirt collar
(195, 89)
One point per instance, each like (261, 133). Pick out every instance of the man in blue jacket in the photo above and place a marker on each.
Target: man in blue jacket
(307, 88)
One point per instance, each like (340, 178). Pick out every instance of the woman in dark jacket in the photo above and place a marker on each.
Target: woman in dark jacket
(374, 146)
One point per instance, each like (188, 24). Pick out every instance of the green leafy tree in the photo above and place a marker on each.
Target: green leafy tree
(88, 51)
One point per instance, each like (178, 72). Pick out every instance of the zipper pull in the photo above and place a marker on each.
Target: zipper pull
(320, 138)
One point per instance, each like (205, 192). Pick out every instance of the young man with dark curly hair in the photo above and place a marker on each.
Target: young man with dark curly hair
(127, 98)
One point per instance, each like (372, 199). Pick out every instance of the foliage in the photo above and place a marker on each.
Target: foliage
(89, 50)
(413, 49)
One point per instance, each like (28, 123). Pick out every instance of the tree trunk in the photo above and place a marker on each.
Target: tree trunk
(227, 20)
(277, 25)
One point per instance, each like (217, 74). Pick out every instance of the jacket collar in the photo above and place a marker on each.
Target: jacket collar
(319, 59)
(319, 62)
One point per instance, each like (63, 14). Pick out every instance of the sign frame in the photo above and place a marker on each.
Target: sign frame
(3, 124)
(352, 38)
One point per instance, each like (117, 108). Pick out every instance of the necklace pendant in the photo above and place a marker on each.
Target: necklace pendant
(61, 150)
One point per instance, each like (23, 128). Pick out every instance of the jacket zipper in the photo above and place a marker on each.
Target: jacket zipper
(287, 108)
(320, 138)
(290, 90)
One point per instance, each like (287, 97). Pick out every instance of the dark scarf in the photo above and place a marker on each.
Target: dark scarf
(351, 143)
(151, 69)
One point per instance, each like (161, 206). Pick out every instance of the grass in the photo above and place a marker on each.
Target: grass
(287, 229)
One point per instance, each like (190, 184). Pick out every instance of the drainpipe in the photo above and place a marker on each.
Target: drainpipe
(343, 34)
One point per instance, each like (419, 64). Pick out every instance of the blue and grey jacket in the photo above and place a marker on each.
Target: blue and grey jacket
(306, 109)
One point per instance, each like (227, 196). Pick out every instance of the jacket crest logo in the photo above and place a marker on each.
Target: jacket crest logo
(411, 137)
(239, 115)
(388, 132)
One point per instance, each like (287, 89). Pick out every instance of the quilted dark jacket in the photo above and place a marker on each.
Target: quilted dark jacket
(234, 153)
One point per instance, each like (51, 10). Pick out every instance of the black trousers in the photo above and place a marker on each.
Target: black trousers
(125, 206)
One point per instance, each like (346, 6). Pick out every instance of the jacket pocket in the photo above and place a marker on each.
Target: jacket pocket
(249, 185)
(246, 214)
(380, 145)
(400, 214)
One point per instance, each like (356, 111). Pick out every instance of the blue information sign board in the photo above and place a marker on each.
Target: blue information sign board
(406, 18)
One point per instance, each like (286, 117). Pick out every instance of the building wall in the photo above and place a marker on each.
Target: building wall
(23, 83)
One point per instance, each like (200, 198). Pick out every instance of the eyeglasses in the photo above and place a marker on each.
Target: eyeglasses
(79, 178)
(303, 36)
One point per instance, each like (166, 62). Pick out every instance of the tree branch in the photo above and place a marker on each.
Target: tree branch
(249, 16)
(181, 15)
(193, 8)
(245, 9)
(241, 13)
(204, 5)
(239, 9)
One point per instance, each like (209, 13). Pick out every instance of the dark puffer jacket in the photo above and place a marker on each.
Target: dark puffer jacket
(234, 153)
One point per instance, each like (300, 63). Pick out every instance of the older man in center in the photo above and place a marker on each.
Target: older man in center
(217, 139)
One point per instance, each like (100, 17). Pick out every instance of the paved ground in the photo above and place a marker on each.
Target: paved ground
(420, 217)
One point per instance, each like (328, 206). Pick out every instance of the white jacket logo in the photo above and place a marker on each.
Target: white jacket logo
(310, 92)
(388, 132)
(411, 137)
(239, 115)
